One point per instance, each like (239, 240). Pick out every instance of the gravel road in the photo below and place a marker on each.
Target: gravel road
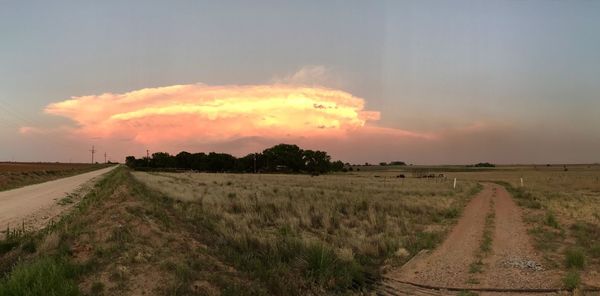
(21, 204)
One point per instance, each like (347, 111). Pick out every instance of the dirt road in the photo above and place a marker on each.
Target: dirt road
(39, 201)
(511, 262)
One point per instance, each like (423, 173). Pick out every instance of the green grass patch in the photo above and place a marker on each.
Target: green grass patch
(587, 236)
(45, 276)
(551, 221)
(571, 280)
(547, 239)
(486, 242)
(476, 267)
(574, 258)
(523, 197)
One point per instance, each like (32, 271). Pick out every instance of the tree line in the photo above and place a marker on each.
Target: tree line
(279, 158)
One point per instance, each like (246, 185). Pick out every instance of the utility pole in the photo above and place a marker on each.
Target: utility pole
(147, 157)
(255, 163)
(93, 151)
(104, 157)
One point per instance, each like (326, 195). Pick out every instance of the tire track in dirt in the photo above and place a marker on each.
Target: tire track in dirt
(512, 262)
(448, 265)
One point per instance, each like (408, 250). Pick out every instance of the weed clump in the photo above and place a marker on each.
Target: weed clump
(551, 221)
(574, 258)
(571, 280)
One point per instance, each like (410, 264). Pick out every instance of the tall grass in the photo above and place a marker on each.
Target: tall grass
(299, 233)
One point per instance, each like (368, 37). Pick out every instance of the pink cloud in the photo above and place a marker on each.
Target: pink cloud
(209, 114)
(243, 119)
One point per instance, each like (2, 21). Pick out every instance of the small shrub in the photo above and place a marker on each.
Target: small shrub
(571, 280)
(476, 267)
(321, 263)
(551, 221)
(451, 213)
(574, 258)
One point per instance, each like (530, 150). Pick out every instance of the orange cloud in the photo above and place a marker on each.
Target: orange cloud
(205, 113)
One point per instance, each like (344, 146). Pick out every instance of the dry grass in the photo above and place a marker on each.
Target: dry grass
(119, 240)
(572, 194)
(339, 229)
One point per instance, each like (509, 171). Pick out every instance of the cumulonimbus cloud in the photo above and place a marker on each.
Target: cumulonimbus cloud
(204, 113)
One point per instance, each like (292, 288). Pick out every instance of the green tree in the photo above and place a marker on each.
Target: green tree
(162, 160)
(286, 155)
(183, 160)
(316, 161)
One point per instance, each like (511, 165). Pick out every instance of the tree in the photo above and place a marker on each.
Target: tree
(162, 160)
(198, 162)
(247, 163)
(338, 166)
(282, 157)
(220, 162)
(316, 161)
(130, 161)
(286, 155)
(184, 160)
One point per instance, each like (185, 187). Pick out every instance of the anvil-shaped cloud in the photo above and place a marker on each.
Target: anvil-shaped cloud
(203, 113)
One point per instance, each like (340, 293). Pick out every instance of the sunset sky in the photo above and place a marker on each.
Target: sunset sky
(427, 82)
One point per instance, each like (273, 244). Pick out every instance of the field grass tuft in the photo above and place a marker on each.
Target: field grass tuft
(46, 276)
(574, 258)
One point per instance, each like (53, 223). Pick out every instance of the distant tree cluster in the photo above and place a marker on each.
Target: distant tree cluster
(392, 163)
(279, 158)
(483, 165)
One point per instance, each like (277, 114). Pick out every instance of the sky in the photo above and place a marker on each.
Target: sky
(426, 82)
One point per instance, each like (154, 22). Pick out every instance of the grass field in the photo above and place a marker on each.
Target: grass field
(245, 234)
(240, 234)
(340, 228)
(18, 174)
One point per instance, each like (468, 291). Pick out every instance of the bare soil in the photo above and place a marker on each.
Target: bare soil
(511, 263)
